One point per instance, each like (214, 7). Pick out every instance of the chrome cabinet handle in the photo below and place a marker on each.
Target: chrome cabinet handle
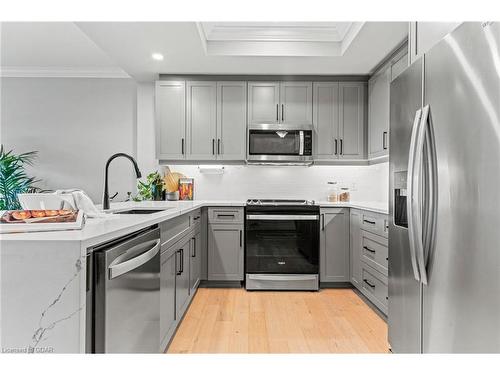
(369, 284)
(118, 269)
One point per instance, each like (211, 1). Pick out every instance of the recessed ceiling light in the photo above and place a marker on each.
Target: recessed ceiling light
(157, 56)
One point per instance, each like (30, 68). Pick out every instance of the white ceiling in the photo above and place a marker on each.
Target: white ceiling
(117, 47)
(51, 48)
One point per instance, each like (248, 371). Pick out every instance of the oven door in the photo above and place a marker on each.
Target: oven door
(282, 243)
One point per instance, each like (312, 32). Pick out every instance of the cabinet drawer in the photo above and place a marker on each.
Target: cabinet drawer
(222, 215)
(375, 223)
(374, 287)
(374, 251)
(173, 229)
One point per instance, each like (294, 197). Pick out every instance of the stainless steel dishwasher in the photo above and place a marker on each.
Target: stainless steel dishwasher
(126, 294)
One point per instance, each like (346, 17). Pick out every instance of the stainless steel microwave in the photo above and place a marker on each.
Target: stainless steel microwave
(280, 144)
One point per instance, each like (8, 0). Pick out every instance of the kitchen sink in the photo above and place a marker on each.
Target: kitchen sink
(140, 211)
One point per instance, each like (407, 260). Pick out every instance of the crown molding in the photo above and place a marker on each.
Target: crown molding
(61, 72)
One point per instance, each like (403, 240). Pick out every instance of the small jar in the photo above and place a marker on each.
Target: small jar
(344, 195)
(333, 192)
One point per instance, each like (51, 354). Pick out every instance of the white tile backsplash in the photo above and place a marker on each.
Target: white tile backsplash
(367, 183)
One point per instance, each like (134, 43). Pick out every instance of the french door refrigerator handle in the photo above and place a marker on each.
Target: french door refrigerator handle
(409, 196)
(118, 269)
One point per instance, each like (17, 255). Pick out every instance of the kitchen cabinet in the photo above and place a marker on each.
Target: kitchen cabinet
(231, 120)
(168, 272)
(263, 102)
(195, 261)
(201, 120)
(225, 252)
(339, 118)
(355, 248)
(378, 113)
(280, 102)
(170, 103)
(326, 120)
(352, 120)
(423, 36)
(182, 288)
(334, 245)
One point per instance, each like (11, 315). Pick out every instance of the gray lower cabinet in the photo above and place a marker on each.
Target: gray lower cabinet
(352, 120)
(182, 288)
(170, 117)
(378, 114)
(334, 245)
(195, 261)
(355, 248)
(201, 120)
(225, 252)
(168, 272)
(231, 120)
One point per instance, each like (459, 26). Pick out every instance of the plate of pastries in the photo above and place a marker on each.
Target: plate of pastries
(39, 216)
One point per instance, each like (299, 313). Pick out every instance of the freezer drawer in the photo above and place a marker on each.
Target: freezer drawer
(374, 287)
(374, 251)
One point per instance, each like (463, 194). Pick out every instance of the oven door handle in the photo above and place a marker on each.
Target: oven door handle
(282, 217)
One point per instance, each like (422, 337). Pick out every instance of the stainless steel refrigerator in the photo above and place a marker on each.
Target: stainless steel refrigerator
(444, 227)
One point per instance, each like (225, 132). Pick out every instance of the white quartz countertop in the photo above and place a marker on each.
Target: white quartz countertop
(99, 230)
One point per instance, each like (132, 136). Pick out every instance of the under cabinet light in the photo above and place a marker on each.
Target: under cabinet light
(211, 169)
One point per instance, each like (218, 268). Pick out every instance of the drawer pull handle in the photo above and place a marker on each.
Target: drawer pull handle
(368, 249)
(387, 258)
(369, 222)
(225, 215)
(369, 284)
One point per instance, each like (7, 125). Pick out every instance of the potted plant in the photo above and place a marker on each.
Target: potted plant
(13, 177)
(152, 189)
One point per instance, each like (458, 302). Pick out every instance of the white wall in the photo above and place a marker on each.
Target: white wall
(242, 182)
(75, 124)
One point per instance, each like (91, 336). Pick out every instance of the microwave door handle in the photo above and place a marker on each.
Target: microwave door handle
(301, 142)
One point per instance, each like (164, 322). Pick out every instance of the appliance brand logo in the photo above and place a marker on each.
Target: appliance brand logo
(281, 262)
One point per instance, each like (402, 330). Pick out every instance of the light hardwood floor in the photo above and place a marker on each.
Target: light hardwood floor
(237, 321)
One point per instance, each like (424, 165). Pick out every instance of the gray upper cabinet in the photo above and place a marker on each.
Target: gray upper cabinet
(170, 104)
(201, 120)
(355, 248)
(326, 120)
(334, 245)
(352, 120)
(263, 102)
(378, 114)
(296, 103)
(231, 120)
(225, 252)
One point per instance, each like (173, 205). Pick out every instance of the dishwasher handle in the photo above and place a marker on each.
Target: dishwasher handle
(119, 269)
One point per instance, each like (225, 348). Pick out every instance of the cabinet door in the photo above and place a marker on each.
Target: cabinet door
(231, 120)
(195, 262)
(355, 249)
(326, 120)
(167, 294)
(296, 103)
(378, 114)
(201, 120)
(334, 245)
(352, 120)
(170, 113)
(263, 102)
(182, 278)
(225, 252)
